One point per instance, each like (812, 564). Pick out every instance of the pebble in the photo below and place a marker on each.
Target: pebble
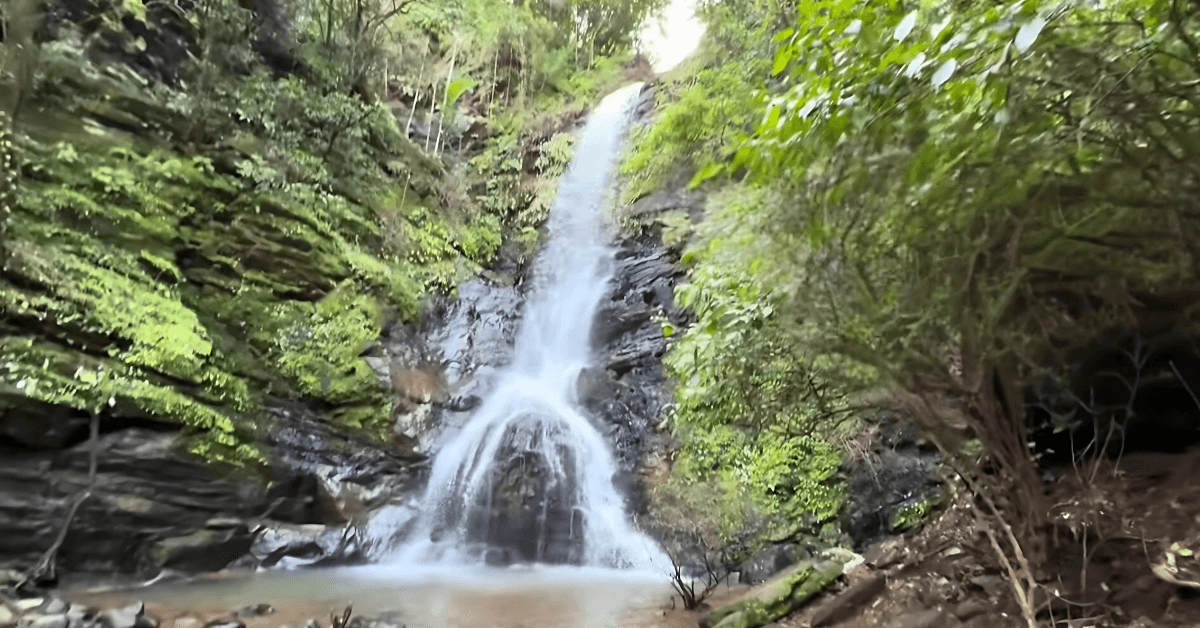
(971, 608)
(50, 621)
(54, 607)
(29, 604)
(225, 623)
(187, 622)
(994, 586)
(922, 619)
(131, 616)
(259, 610)
(6, 616)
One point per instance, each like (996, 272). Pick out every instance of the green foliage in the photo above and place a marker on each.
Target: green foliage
(601, 25)
(702, 116)
(750, 411)
(908, 517)
(926, 188)
(192, 247)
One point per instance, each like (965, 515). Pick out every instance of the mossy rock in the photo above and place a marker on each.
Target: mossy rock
(913, 513)
(777, 597)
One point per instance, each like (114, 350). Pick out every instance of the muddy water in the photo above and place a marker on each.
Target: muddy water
(537, 597)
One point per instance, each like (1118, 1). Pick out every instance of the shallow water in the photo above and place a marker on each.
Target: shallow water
(423, 597)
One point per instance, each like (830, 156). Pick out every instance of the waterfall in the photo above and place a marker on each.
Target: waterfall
(528, 478)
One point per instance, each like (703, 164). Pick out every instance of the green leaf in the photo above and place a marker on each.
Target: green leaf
(905, 27)
(456, 88)
(783, 56)
(944, 72)
(706, 173)
(1029, 33)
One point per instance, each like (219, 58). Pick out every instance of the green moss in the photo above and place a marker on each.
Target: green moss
(912, 514)
(777, 597)
(35, 369)
(909, 516)
(206, 251)
(318, 345)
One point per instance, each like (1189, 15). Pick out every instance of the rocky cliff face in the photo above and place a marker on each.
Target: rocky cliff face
(154, 507)
(628, 390)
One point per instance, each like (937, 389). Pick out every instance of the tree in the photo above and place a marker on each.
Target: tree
(19, 21)
(949, 172)
(602, 26)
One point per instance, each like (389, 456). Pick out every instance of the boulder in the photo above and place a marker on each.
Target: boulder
(203, 550)
(769, 562)
(329, 477)
(290, 545)
(257, 610)
(884, 485)
(776, 598)
(527, 516)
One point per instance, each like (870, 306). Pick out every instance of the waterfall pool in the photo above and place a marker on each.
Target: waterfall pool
(417, 597)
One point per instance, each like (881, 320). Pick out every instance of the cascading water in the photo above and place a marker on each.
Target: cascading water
(528, 478)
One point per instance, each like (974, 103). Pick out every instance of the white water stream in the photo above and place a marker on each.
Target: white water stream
(564, 470)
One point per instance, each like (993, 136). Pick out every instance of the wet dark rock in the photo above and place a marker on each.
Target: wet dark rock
(144, 489)
(527, 516)
(287, 546)
(325, 476)
(477, 331)
(499, 557)
(628, 392)
(166, 33)
(772, 560)
(41, 427)
(204, 550)
(154, 507)
(669, 200)
(463, 404)
(464, 342)
(898, 472)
